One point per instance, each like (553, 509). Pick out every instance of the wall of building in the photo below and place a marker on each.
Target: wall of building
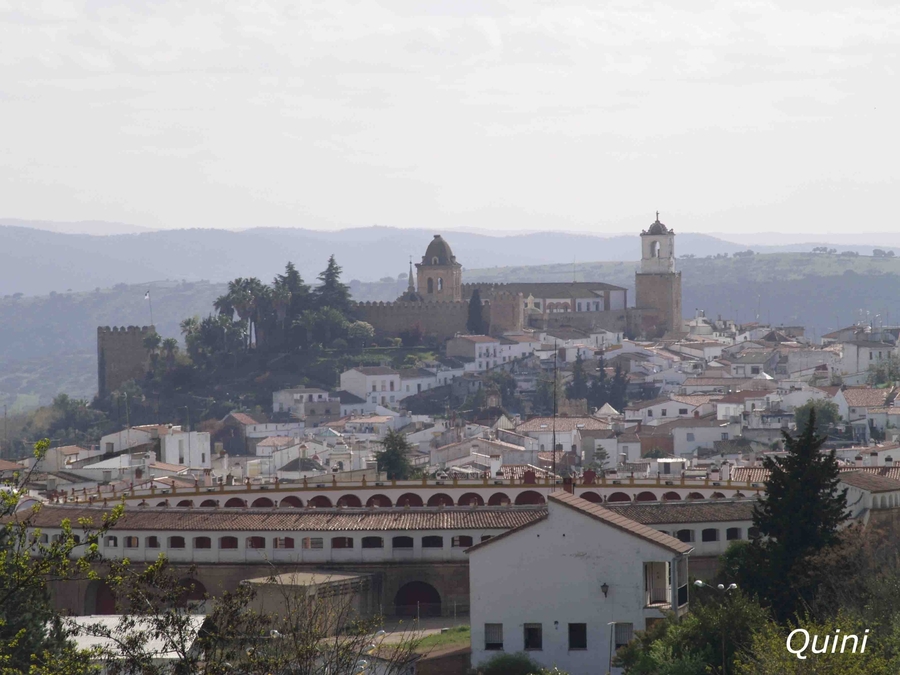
(121, 356)
(661, 292)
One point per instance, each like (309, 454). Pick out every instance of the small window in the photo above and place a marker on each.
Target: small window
(624, 634)
(432, 542)
(665, 412)
(202, 542)
(228, 542)
(151, 542)
(342, 542)
(402, 542)
(733, 533)
(313, 543)
(372, 542)
(534, 636)
(690, 437)
(649, 413)
(493, 637)
(577, 636)
(283, 542)
(725, 436)
(112, 541)
(709, 534)
(132, 542)
(461, 542)
(686, 536)
(176, 542)
(256, 542)
(682, 411)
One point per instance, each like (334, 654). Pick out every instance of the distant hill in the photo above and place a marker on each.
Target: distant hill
(100, 228)
(42, 261)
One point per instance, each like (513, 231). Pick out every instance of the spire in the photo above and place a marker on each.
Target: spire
(411, 287)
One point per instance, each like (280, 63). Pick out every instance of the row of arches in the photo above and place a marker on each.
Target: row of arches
(525, 498)
(647, 496)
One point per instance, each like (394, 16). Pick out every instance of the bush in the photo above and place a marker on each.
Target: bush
(510, 664)
(339, 343)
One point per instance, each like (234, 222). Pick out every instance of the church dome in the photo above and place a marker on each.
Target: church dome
(657, 227)
(438, 253)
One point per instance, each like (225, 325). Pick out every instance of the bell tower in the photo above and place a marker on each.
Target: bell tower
(658, 284)
(439, 275)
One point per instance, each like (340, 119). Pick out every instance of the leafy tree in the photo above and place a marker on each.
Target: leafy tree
(475, 322)
(543, 395)
(360, 333)
(394, 458)
(578, 387)
(332, 293)
(798, 517)
(885, 372)
(824, 412)
(412, 336)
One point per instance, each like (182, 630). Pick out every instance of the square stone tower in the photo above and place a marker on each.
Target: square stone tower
(658, 284)
(439, 276)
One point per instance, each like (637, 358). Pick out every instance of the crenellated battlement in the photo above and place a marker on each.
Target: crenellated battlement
(126, 329)
(405, 305)
(121, 355)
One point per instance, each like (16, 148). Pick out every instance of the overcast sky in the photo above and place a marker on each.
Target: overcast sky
(725, 116)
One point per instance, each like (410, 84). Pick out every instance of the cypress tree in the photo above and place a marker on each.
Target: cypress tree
(579, 385)
(332, 293)
(475, 322)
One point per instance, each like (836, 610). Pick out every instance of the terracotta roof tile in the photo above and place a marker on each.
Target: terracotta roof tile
(871, 482)
(865, 397)
(687, 512)
(562, 424)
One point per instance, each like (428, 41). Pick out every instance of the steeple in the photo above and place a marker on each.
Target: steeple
(411, 287)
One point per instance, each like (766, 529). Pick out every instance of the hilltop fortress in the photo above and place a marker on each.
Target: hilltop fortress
(436, 301)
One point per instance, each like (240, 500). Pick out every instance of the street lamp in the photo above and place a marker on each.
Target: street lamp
(721, 588)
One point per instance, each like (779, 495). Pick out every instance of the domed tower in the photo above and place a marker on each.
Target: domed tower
(657, 284)
(439, 276)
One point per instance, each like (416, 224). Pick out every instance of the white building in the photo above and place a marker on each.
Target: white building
(293, 400)
(593, 577)
(858, 356)
(187, 448)
(375, 384)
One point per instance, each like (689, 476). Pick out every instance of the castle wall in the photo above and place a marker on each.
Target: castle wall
(616, 321)
(121, 356)
(440, 319)
(661, 292)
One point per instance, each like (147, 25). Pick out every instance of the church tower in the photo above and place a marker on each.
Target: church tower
(439, 275)
(657, 284)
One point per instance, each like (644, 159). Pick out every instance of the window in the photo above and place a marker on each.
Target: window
(402, 542)
(132, 542)
(578, 307)
(342, 542)
(733, 533)
(493, 637)
(690, 437)
(431, 285)
(202, 542)
(374, 387)
(313, 543)
(534, 636)
(151, 542)
(709, 534)
(649, 413)
(624, 633)
(392, 385)
(754, 370)
(176, 542)
(664, 412)
(577, 636)
(432, 542)
(256, 542)
(725, 436)
(110, 447)
(203, 458)
(283, 542)
(686, 536)
(181, 451)
(440, 283)
(372, 542)
(228, 542)
(461, 541)
(112, 541)
(682, 411)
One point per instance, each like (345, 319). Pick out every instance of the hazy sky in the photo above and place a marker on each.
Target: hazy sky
(725, 116)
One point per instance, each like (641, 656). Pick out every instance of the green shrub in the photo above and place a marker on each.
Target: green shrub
(510, 664)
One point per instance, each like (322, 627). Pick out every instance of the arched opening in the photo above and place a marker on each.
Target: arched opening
(462, 541)
(256, 542)
(671, 497)
(319, 502)
(431, 285)
(740, 495)
(417, 598)
(292, 501)
(717, 495)
(235, 503)
(402, 542)
(645, 497)
(618, 497)
(163, 504)
(263, 502)
(654, 249)
(228, 542)
(379, 500)
(440, 284)
(440, 499)
(373, 542)
(176, 542)
(99, 599)
(185, 503)
(694, 495)
(592, 497)
(202, 542)
(409, 499)
(471, 499)
(193, 593)
(349, 500)
(208, 503)
(529, 497)
(498, 499)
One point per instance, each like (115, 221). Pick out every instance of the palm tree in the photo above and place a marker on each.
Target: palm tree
(170, 348)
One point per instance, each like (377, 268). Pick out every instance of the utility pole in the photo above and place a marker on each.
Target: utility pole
(6, 433)
(555, 394)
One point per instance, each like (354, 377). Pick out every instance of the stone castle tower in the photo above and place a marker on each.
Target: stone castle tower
(121, 356)
(657, 284)
(439, 276)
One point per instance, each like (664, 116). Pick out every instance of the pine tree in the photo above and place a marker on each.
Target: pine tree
(475, 322)
(394, 459)
(332, 293)
(799, 516)
(618, 389)
(578, 388)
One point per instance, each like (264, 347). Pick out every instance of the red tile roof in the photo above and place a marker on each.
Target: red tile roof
(687, 512)
(865, 397)
(749, 474)
(870, 482)
(562, 424)
(243, 418)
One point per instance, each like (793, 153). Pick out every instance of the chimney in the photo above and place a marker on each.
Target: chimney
(889, 461)
(858, 460)
(207, 477)
(496, 463)
(725, 471)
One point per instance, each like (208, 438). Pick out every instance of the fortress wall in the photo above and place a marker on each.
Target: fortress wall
(121, 356)
(442, 319)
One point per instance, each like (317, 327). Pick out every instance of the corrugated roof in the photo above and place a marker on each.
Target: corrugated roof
(299, 520)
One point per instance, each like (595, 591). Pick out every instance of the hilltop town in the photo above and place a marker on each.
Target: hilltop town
(407, 451)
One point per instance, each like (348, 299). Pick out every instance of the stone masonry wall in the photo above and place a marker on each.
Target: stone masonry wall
(121, 356)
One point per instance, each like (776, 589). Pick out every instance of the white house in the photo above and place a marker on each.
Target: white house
(858, 356)
(689, 435)
(483, 351)
(566, 429)
(293, 400)
(568, 586)
(663, 409)
(375, 384)
(187, 448)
